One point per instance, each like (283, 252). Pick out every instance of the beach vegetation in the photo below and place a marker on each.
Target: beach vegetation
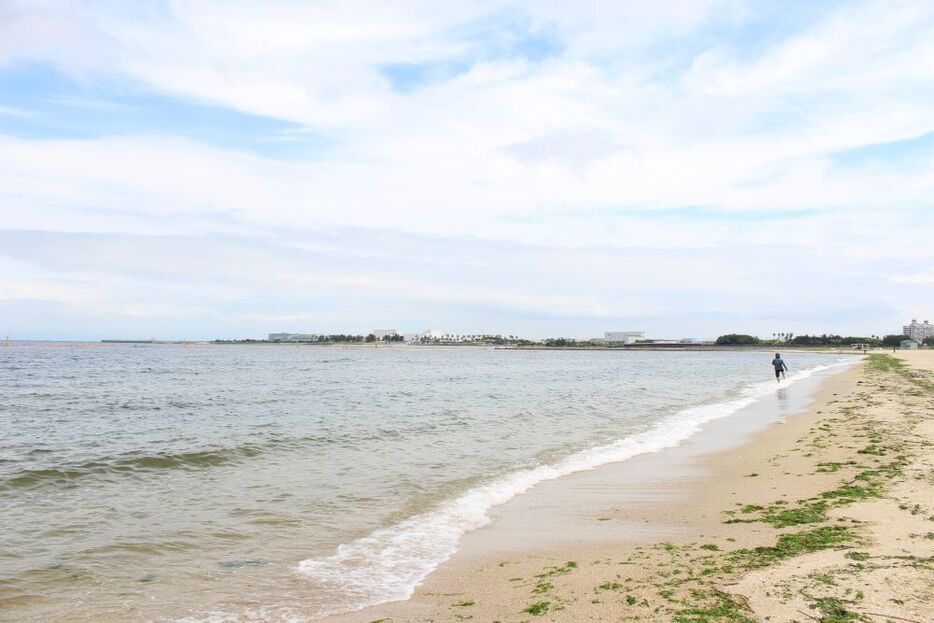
(873, 449)
(543, 587)
(810, 512)
(562, 570)
(716, 606)
(609, 586)
(538, 608)
(630, 600)
(848, 493)
(831, 467)
(465, 604)
(885, 363)
(794, 544)
(832, 610)
(823, 578)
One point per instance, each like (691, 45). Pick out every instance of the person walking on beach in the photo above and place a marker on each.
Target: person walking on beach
(779, 364)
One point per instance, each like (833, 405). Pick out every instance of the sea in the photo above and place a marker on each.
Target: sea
(197, 483)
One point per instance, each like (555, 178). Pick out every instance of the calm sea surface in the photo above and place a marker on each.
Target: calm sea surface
(278, 483)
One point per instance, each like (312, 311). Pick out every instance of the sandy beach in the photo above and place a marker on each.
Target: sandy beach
(824, 515)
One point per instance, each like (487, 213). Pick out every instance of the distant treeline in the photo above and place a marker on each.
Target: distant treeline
(741, 339)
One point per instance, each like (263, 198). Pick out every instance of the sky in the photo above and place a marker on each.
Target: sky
(224, 169)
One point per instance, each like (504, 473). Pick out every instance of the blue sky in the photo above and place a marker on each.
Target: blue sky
(687, 168)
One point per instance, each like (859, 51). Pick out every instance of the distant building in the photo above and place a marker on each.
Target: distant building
(918, 330)
(909, 344)
(381, 333)
(293, 337)
(624, 337)
(433, 334)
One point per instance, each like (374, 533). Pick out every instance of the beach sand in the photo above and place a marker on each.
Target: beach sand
(827, 515)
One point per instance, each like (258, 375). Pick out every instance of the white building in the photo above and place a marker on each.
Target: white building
(293, 337)
(918, 330)
(625, 337)
(433, 334)
(381, 333)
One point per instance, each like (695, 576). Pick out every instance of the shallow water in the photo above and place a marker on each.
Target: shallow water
(169, 482)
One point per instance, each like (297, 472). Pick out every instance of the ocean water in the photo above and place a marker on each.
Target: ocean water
(284, 483)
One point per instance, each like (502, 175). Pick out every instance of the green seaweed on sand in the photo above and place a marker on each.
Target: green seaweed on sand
(794, 544)
(538, 608)
(832, 610)
(562, 570)
(847, 493)
(885, 363)
(860, 556)
(831, 467)
(715, 606)
(542, 587)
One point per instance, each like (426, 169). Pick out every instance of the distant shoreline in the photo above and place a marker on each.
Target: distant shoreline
(622, 347)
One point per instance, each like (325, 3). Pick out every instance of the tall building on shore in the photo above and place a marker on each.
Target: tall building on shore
(918, 330)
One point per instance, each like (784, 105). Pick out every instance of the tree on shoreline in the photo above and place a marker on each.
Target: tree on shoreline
(737, 339)
(894, 340)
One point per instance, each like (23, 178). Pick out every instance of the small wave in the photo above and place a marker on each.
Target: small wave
(124, 464)
(389, 563)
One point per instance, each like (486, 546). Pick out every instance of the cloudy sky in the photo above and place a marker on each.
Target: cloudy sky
(201, 169)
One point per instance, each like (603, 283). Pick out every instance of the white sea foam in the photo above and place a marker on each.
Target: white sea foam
(390, 563)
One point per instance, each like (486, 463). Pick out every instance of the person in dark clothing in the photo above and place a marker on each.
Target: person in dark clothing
(779, 364)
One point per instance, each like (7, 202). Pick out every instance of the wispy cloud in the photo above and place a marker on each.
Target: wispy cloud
(6, 111)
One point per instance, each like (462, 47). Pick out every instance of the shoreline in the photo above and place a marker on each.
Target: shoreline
(546, 552)
(679, 428)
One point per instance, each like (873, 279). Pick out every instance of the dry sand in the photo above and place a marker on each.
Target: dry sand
(827, 516)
